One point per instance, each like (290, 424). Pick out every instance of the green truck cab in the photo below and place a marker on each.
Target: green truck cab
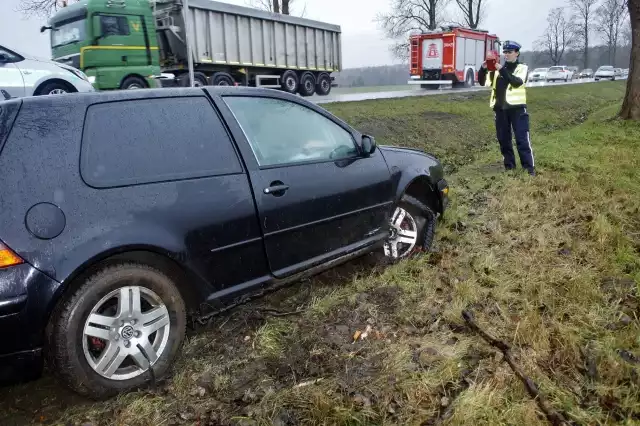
(113, 41)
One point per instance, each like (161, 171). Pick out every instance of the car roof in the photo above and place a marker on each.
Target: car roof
(88, 98)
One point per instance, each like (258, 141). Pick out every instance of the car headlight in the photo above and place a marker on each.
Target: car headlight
(91, 79)
(78, 74)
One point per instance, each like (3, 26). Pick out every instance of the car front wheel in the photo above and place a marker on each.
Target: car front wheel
(120, 329)
(411, 229)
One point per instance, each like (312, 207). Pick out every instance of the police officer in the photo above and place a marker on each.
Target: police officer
(509, 102)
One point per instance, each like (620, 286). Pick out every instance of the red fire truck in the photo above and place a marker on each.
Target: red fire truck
(451, 56)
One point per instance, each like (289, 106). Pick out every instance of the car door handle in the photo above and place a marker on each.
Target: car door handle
(276, 188)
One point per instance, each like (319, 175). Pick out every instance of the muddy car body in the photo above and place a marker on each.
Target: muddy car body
(123, 213)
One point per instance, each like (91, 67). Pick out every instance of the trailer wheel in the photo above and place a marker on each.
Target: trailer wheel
(222, 79)
(290, 81)
(307, 86)
(133, 82)
(199, 80)
(469, 81)
(323, 84)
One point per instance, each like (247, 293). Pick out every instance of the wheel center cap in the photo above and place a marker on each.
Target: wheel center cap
(393, 233)
(127, 332)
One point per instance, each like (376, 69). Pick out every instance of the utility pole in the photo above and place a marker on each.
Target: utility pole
(187, 29)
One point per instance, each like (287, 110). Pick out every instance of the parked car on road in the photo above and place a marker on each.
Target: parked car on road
(559, 72)
(586, 73)
(605, 72)
(24, 75)
(123, 213)
(538, 74)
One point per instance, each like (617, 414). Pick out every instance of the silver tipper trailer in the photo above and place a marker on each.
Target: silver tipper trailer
(241, 45)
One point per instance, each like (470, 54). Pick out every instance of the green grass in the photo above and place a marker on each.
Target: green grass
(549, 264)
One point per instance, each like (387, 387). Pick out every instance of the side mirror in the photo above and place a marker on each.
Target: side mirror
(44, 28)
(368, 145)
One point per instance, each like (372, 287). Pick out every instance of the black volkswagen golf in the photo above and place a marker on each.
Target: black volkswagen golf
(124, 213)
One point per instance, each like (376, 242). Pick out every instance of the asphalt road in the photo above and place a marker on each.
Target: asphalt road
(417, 91)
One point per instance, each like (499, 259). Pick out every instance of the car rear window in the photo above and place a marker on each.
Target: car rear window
(154, 140)
(8, 112)
(556, 69)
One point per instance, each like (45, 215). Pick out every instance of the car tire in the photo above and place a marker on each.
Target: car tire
(307, 86)
(132, 83)
(323, 84)
(222, 79)
(53, 88)
(199, 80)
(289, 82)
(410, 216)
(83, 356)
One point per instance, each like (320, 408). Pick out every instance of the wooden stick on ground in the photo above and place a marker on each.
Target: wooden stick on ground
(554, 417)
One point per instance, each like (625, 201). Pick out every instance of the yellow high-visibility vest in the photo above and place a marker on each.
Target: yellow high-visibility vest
(514, 95)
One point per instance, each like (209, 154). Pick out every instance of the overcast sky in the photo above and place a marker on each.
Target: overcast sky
(363, 43)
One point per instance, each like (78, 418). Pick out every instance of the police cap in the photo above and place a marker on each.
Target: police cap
(511, 45)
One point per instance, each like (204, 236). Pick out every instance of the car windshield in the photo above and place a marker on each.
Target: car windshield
(540, 70)
(556, 69)
(605, 69)
(69, 32)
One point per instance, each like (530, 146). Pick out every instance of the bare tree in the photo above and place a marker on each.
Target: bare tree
(42, 7)
(631, 105)
(558, 37)
(276, 6)
(609, 19)
(473, 11)
(408, 16)
(583, 10)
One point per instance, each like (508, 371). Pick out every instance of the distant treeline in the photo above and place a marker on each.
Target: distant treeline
(390, 75)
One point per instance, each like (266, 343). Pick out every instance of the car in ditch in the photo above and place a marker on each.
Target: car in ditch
(24, 75)
(126, 213)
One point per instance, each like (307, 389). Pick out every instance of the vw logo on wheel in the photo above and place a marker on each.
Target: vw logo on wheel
(127, 332)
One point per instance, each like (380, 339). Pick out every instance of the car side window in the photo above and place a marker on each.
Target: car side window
(155, 140)
(114, 25)
(283, 132)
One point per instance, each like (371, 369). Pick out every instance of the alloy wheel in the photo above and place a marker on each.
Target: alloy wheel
(126, 332)
(403, 234)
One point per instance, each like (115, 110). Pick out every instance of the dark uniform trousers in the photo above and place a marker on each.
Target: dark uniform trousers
(516, 118)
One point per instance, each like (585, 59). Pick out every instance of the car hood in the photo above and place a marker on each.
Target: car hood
(46, 61)
(389, 148)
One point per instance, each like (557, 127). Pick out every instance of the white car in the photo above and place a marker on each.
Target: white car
(605, 72)
(538, 74)
(24, 75)
(559, 72)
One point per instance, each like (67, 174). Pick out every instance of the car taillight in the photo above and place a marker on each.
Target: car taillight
(8, 257)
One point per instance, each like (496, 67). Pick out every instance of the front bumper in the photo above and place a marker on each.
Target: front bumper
(25, 296)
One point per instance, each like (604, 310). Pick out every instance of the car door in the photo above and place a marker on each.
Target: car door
(11, 79)
(317, 196)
